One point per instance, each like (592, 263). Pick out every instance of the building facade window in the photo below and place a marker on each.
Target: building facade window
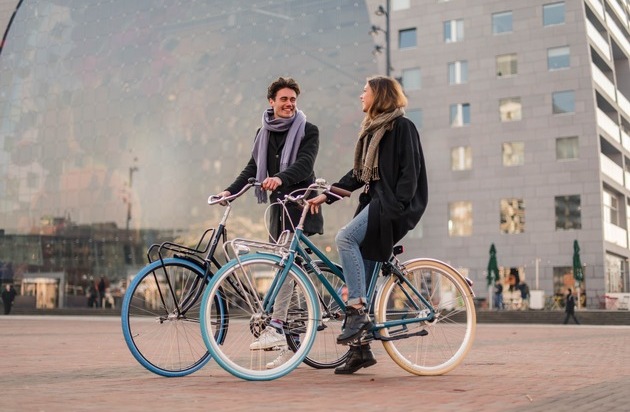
(407, 38)
(612, 214)
(563, 102)
(568, 212)
(502, 22)
(416, 116)
(460, 221)
(513, 153)
(412, 79)
(461, 158)
(507, 65)
(562, 279)
(460, 114)
(458, 72)
(512, 220)
(400, 5)
(616, 274)
(567, 148)
(553, 14)
(453, 31)
(510, 109)
(558, 58)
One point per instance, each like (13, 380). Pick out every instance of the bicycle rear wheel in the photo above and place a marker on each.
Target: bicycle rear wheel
(326, 353)
(162, 338)
(242, 286)
(449, 335)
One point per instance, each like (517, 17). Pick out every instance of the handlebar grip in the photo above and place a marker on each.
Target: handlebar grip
(339, 191)
(214, 199)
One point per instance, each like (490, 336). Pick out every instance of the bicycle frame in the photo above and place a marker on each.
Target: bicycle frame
(297, 248)
(193, 254)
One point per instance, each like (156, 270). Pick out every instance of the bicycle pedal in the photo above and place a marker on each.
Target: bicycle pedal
(321, 327)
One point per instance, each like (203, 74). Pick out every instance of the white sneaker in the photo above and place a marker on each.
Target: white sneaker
(284, 356)
(268, 339)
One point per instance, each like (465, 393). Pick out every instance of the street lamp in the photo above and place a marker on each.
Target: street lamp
(383, 11)
(132, 169)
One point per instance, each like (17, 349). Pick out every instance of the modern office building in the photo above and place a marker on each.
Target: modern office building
(524, 110)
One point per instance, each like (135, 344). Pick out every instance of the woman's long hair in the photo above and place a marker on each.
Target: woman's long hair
(388, 95)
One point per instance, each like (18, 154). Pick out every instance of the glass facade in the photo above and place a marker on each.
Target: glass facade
(120, 118)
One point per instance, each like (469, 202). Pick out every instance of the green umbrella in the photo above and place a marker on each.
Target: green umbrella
(493, 267)
(578, 272)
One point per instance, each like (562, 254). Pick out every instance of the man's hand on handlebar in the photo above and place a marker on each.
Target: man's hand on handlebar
(223, 194)
(271, 183)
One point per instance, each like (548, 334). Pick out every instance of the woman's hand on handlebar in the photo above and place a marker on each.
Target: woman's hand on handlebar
(316, 201)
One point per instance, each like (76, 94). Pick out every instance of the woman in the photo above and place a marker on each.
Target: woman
(389, 166)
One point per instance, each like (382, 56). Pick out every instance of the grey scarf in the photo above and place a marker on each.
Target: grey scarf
(295, 126)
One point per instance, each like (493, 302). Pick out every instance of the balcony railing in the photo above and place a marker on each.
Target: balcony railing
(602, 81)
(597, 7)
(615, 234)
(618, 34)
(625, 140)
(624, 103)
(619, 11)
(611, 169)
(598, 39)
(606, 124)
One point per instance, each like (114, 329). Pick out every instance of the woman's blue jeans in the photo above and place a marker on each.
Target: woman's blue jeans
(354, 266)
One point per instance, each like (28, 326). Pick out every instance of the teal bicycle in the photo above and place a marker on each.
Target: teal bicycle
(423, 309)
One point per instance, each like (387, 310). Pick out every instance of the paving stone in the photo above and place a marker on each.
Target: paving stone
(72, 363)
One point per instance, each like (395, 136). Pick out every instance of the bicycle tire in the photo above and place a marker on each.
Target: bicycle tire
(450, 334)
(247, 319)
(162, 341)
(326, 353)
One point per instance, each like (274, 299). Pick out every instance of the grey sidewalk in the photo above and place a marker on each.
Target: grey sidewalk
(55, 363)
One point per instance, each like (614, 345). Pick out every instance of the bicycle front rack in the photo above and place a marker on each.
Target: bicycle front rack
(166, 249)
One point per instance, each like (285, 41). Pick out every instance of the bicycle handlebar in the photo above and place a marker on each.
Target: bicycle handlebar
(324, 187)
(214, 199)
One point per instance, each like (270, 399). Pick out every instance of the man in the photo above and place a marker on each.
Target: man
(8, 296)
(569, 307)
(498, 295)
(283, 158)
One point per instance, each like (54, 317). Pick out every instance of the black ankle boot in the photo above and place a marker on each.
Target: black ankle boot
(357, 321)
(359, 357)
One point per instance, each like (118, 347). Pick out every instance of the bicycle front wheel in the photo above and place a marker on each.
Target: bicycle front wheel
(161, 334)
(431, 347)
(245, 352)
(326, 353)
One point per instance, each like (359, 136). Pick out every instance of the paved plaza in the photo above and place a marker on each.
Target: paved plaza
(61, 363)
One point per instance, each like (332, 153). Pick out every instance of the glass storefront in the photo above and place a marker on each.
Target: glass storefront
(119, 118)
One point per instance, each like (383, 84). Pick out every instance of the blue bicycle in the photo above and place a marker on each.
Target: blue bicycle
(160, 309)
(423, 309)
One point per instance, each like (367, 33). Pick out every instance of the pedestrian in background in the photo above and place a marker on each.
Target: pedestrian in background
(569, 308)
(498, 295)
(8, 296)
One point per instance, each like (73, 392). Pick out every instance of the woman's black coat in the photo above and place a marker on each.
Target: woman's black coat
(398, 199)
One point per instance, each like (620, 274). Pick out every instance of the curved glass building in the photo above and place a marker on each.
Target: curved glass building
(119, 119)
